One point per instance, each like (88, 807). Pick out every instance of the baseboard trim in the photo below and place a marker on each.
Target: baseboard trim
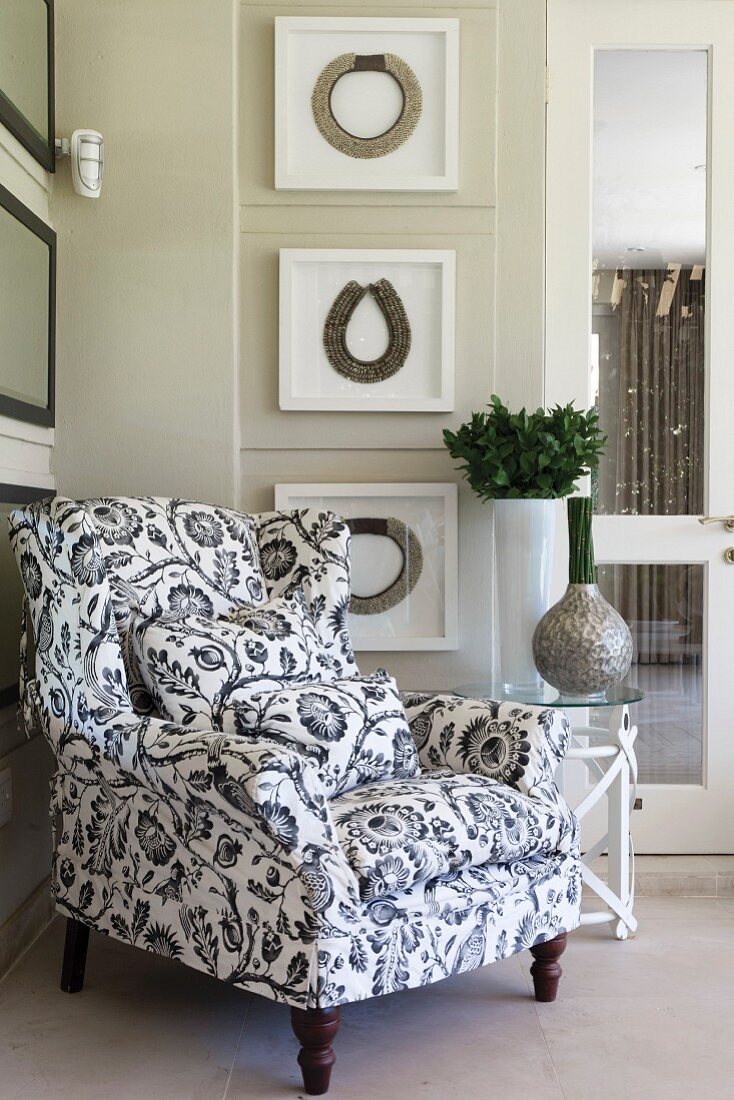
(25, 925)
(688, 882)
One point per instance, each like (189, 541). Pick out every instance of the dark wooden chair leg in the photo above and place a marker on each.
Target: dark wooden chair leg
(546, 970)
(315, 1030)
(75, 956)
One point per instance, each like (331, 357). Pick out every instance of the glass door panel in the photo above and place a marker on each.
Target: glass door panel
(639, 292)
(662, 604)
(648, 375)
(648, 278)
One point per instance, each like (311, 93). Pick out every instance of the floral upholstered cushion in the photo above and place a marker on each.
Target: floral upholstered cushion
(354, 731)
(194, 666)
(396, 834)
(309, 548)
(169, 557)
(176, 556)
(513, 743)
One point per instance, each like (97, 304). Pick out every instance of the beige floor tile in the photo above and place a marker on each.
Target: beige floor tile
(675, 884)
(647, 1019)
(669, 908)
(723, 864)
(644, 1019)
(470, 1037)
(143, 1027)
(679, 885)
(694, 864)
(642, 1046)
(681, 908)
(694, 957)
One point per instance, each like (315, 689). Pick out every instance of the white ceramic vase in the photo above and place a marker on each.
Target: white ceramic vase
(523, 532)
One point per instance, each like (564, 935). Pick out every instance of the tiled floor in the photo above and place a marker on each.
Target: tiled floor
(686, 876)
(649, 1019)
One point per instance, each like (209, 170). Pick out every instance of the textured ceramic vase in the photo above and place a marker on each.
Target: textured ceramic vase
(582, 645)
(524, 531)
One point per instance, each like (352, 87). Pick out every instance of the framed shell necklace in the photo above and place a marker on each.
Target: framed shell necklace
(367, 148)
(398, 326)
(412, 551)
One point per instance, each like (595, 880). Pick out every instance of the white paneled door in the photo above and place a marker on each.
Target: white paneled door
(640, 322)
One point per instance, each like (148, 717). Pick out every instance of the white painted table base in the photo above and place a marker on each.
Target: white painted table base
(618, 784)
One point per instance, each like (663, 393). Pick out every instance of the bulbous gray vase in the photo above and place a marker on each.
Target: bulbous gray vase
(582, 645)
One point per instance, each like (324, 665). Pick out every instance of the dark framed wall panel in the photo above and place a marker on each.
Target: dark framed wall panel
(11, 591)
(18, 495)
(42, 410)
(12, 117)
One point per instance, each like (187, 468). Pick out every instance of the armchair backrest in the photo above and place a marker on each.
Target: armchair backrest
(79, 670)
(87, 565)
(168, 556)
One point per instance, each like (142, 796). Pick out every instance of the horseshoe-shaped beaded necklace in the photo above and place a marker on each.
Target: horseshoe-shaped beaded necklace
(335, 332)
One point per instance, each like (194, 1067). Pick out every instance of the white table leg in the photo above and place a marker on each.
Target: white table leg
(619, 824)
(613, 783)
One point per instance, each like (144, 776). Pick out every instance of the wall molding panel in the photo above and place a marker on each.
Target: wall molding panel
(494, 222)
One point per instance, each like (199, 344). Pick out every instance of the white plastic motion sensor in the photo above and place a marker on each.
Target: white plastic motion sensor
(87, 162)
(86, 149)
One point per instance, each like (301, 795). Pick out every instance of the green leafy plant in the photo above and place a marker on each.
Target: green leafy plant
(581, 564)
(536, 455)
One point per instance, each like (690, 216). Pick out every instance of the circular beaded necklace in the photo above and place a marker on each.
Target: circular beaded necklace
(412, 551)
(367, 148)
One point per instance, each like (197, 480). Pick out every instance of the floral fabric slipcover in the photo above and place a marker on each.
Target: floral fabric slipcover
(193, 666)
(232, 858)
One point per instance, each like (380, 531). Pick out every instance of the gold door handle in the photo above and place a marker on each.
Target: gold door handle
(728, 521)
(729, 555)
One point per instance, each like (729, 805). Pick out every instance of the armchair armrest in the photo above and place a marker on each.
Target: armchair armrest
(266, 794)
(514, 743)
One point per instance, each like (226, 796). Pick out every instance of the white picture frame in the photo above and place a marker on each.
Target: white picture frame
(311, 278)
(427, 161)
(427, 618)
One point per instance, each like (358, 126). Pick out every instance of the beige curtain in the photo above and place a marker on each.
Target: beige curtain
(659, 445)
(659, 452)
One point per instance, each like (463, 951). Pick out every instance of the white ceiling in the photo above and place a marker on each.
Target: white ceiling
(649, 135)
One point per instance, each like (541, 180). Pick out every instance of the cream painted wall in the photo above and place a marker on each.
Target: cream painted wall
(499, 246)
(146, 273)
(148, 285)
(145, 333)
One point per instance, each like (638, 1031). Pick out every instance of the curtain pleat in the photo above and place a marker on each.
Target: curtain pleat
(659, 456)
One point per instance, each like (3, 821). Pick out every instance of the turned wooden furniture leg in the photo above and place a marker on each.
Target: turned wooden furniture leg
(75, 956)
(546, 970)
(315, 1030)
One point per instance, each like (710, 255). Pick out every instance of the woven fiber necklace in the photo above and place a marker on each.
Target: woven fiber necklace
(392, 138)
(335, 332)
(412, 551)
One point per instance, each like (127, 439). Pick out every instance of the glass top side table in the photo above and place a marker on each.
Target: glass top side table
(616, 778)
(618, 696)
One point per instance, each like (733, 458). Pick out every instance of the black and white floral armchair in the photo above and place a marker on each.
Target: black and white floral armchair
(243, 843)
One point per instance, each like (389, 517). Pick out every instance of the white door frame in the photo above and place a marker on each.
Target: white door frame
(675, 818)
